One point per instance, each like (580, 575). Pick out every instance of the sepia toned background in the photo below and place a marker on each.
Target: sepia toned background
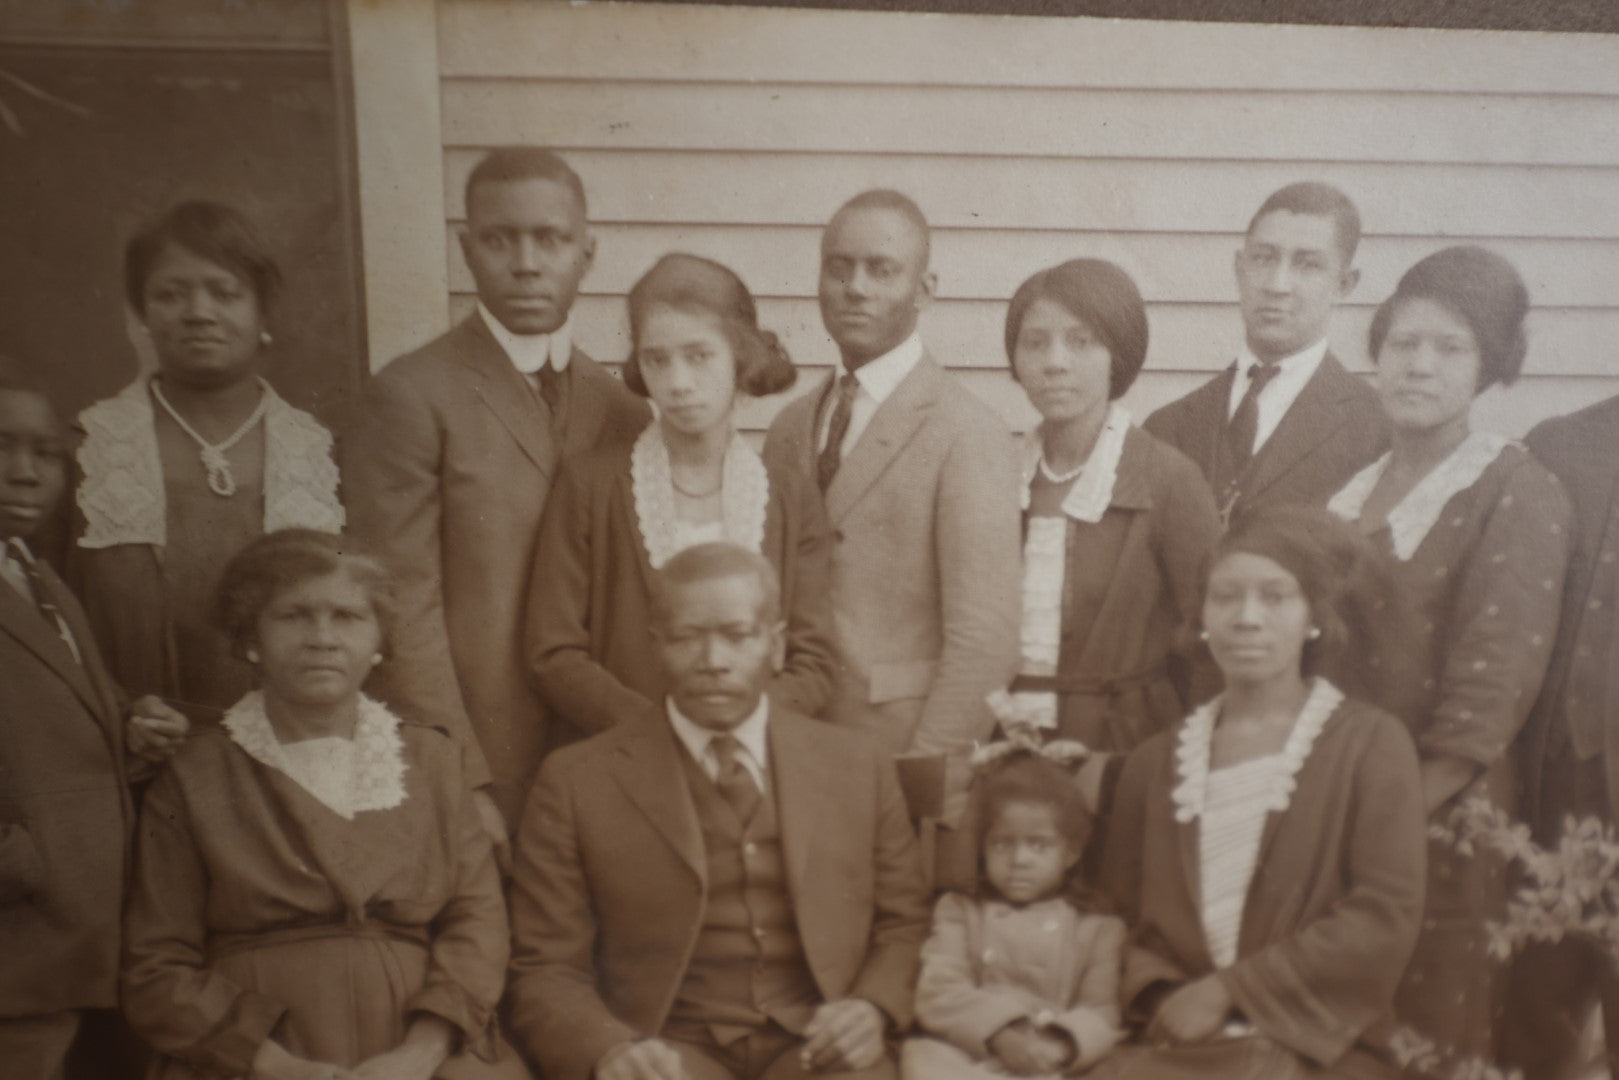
(348, 129)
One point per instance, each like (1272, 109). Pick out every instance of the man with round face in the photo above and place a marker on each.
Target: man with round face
(1284, 423)
(920, 482)
(720, 887)
(447, 469)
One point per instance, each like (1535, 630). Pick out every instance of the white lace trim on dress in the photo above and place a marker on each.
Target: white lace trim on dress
(1091, 494)
(1197, 734)
(1414, 517)
(377, 776)
(744, 496)
(122, 494)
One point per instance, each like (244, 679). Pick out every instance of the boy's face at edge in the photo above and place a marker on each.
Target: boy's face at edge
(33, 462)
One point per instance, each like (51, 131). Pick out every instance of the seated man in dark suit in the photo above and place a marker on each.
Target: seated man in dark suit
(1285, 423)
(719, 888)
(65, 813)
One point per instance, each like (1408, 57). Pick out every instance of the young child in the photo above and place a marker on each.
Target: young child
(64, 800)
(1018, 980)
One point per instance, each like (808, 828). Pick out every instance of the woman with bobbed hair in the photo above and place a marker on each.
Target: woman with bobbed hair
(314, 896)
(1274, 868)
(190, 462)
(1479, 532)
(1118, 526)
(617, 514)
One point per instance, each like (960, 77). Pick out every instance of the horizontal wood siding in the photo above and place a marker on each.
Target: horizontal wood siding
(735, 133)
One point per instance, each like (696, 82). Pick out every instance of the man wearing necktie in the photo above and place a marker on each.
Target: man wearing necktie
(720, 889)
(447, 468)
(66, 754)
(921, 486)
(1285, 423)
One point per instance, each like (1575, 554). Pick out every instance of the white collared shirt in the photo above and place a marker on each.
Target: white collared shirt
(1281, 392)
(530, 352)
(878, 379)
(750, 733)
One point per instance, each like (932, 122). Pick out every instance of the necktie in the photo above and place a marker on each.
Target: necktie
(1244, 426)
(826, 467)
(550, 380)
(733, 778)
(42, 597)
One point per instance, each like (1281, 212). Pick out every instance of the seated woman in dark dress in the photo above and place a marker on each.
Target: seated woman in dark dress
(1269, 854)
(618, 514)
(314, 895)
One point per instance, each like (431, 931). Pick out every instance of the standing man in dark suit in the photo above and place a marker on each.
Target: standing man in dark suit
(721, 889)
(1569, 749)
(1285, 423)
(922, 485)
(447, 470)
(65, 813)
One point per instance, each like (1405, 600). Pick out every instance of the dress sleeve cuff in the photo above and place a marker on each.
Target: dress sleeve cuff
(236, 1042)
(452, 1004)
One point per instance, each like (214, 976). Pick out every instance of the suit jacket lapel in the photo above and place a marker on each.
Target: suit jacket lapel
(587, 405)
(891, 427)
(505, 393)
(650, 773)
(1312, 420)
(807, 784)
(23, 621)
(1209, 413)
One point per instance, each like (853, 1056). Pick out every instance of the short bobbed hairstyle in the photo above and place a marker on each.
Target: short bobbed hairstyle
(1311, 198)
(1348, 585)
(693, 284)
(210, 230)
(277, 561)
(511, 163)
(1103, 297)
(1483, 290)
(710, 562)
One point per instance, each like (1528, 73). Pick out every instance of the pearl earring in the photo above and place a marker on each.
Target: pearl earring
(265, 338)
(1314, 634)
(376, 658)
(252, 656)
(1202, 635)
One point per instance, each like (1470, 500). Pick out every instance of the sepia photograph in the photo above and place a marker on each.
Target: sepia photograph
(864, 540)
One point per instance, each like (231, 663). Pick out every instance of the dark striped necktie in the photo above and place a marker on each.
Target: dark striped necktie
(42, 595)
(733, 778)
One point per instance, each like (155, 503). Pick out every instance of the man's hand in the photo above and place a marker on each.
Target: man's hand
(494, 826)
(641, 1059)
(844, 1036)
(154, 730)
(1194, 1013)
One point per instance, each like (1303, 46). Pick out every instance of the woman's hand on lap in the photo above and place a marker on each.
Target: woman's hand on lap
(275, 1062)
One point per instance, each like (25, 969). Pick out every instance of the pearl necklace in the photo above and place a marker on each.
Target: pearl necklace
(1060, 478)
(221, 481)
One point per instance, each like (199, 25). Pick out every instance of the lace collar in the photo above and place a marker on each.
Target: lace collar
(378, 782)
(1411, 521)
(1092, 493)
(121, 494)
(1197, 733)
(744, 495)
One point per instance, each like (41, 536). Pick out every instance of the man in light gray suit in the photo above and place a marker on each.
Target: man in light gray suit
(921, 488)
(446, 473)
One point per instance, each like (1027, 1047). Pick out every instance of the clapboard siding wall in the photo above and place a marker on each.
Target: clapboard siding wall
(735, 133)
